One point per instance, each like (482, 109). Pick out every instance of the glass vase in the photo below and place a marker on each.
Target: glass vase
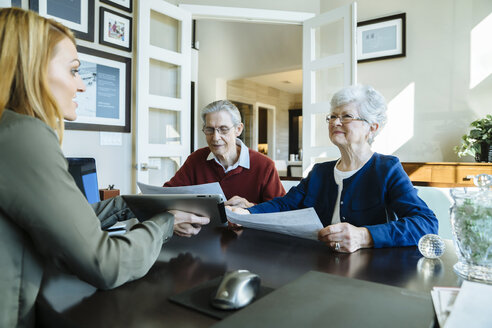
(471, 220)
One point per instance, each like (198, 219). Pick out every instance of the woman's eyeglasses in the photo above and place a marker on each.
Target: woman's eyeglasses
(223, 130)
(344, 119)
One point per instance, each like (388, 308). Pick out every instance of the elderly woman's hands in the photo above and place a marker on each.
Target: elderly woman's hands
(238, 210)
(188, 224)
(239, 202)
(345, 238)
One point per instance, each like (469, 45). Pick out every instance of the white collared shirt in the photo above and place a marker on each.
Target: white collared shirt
(242, 161)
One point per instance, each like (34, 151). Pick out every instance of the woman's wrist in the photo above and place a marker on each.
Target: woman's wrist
(366, 238)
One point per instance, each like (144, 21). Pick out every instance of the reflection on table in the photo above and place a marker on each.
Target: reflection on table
(187, 262)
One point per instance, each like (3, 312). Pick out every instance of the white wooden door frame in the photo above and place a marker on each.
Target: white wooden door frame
(282, 17)
(145, 100)
(311, 64)
(250, 15)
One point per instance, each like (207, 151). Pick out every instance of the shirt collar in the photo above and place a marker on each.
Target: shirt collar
(242, 161)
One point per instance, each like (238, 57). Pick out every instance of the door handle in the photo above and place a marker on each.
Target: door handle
(146, 167)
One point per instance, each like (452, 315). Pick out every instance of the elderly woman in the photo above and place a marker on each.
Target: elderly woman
(364, 199)
(245, 175)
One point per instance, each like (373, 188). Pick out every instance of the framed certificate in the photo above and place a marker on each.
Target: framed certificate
(105, 105)
(77, 15)
(381, 38)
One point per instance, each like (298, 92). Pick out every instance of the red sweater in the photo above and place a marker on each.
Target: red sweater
(257, 184)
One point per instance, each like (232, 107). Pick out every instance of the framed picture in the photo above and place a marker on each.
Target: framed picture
(125, 5)
(115, 30)
(105, 105)
(10, 3)
(77, 15)
(381, 38)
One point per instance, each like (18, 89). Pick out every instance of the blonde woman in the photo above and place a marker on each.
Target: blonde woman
(43, 215)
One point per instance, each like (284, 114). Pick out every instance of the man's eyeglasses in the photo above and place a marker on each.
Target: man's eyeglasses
(223, 130)
(344, 119)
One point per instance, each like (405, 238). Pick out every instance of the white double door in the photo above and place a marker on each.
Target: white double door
(164, 82)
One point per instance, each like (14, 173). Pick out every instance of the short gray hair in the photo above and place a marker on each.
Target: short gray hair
(370, 104)
(225, 105)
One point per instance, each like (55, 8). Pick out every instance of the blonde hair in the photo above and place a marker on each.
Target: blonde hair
(27, 43)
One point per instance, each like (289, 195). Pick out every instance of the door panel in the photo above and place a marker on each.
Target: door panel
(163, 90)
(329, 64)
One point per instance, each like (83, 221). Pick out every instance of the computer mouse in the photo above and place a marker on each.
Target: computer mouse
(236, 290)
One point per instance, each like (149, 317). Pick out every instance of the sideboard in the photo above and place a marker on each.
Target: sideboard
(445, 174)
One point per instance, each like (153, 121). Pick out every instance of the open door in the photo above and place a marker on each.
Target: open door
(163, 90)
(329, 64)
(163, 78)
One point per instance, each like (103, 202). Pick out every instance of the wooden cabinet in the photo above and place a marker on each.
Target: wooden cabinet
(445, 174)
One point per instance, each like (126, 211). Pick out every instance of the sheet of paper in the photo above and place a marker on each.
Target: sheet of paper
(472, 306)
(206, 188)
(443, 299)
(303, 223)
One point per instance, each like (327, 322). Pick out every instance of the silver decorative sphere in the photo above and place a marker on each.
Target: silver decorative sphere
(431, 246)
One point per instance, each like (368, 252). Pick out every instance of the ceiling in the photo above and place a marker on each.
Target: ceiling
(290, 81)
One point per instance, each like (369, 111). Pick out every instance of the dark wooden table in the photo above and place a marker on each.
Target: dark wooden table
(186, 262)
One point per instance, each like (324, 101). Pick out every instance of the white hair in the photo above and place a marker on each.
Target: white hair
(225, 105)
(369, 102)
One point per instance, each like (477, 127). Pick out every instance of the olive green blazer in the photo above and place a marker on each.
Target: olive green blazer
(44, 217)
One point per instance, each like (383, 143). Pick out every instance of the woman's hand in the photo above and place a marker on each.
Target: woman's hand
(238, 210)
(188, 224)
(345, 238)
(239, 202)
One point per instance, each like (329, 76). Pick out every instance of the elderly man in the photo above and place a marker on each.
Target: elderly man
(245, 175)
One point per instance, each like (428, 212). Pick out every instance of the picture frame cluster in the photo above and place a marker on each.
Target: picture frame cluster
(105, 106)
(115, 29)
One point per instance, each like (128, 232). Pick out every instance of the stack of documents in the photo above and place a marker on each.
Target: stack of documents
(468, 306)
(303, 223)
(201, 189)
(443, 299)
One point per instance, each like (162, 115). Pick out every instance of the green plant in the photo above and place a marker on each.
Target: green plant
(481, 132)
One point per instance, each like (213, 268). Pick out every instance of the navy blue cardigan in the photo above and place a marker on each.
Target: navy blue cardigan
(379, 196)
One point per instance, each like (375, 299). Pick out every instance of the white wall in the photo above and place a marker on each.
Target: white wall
(113, 163)
(431, 85)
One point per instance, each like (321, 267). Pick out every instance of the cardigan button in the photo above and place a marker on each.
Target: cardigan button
(341, 202)
(343, 218)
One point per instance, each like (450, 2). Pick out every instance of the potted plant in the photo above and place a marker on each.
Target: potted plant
(478, 142)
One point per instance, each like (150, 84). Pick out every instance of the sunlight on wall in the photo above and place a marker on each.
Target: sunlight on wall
(480, 51)
(172, 136)
(399, 128)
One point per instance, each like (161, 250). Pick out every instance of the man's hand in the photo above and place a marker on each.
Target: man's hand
(188, 224)
(237, 201)
(345, 238)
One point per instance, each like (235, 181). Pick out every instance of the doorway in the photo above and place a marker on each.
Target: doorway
(246, 111)
(266, 125)
(295, 133)
(259, 127)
